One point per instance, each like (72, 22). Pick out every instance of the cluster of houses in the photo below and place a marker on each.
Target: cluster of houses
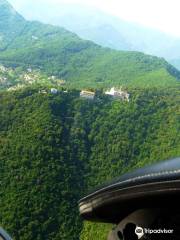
(52, 91)
(3, 80)
(113, 92)
(29, 78)
(16, 87)
(90, 95)
(52, 78)
(59, 82)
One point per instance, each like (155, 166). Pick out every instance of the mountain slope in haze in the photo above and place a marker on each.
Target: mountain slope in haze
(81, 63)
(176, 63)
(54, 148)
(109, 31)
(11, 24)
(106, 36)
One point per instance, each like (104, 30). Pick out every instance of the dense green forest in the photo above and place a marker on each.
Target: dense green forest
(55, 148)
(56, 51)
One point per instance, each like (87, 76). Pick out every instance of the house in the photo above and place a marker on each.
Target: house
(3, 69)
(43, 91)
(87, 94)
(118, 93)
(3, 79)
(27, 77)
(29, 70)
(34, 37)
(54, 91)
(61, 82)
(52, 78)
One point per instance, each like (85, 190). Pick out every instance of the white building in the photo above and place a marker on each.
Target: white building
(3, 69)
(118, 93)
(29, 70)
(34, 37)
(54, 91)
(87, 94)
(52, 78)
(43, 91)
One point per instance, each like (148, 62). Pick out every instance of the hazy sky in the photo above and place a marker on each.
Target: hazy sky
(160, 14)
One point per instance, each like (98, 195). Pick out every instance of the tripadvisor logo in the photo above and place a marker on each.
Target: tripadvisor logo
(140, 232)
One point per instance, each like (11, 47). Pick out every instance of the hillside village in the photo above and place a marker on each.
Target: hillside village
(4, 76)
(14, 79)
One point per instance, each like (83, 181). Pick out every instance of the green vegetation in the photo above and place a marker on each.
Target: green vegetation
(54, 148)
(55, 51)
(84, 64)
(11, 24)
(16, 78)
(95, 231)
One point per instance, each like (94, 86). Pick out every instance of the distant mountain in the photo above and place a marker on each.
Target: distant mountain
(109, 31)
(107, 36)
(80, 63)
(11, 24)
(176, 63)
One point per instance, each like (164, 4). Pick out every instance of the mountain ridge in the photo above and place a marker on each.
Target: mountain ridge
(11, 24)
(88, 23)
(59, 52)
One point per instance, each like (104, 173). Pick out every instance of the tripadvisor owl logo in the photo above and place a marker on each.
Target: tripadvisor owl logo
(139, 232)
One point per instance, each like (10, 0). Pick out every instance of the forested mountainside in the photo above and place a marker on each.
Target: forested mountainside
(11, 24)
(55, 148)
(106, 29)
(56, 51)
